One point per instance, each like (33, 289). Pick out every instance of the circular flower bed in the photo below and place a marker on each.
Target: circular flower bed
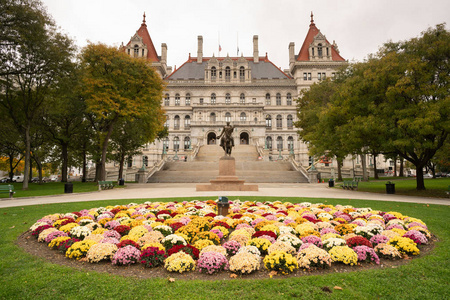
(188, 236)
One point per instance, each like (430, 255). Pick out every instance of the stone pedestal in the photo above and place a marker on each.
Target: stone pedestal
(141, 176)
(227, 179)
(313, 176)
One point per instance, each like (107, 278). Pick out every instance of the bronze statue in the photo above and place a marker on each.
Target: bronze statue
(227, 141)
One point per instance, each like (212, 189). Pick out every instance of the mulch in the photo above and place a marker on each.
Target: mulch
(41, 250)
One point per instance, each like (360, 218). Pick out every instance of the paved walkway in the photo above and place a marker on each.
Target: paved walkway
(168, 190)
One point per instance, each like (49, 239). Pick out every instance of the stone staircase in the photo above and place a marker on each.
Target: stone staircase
(248, 168)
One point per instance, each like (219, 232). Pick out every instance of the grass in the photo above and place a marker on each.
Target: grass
(434, 187)
(23, 276)
(49, 188)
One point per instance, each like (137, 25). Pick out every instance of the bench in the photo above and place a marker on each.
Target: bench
(105, 185)
(350, 185)
(7, 189)
(357, 178)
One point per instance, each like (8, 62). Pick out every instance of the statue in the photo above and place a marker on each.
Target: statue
(226, 139)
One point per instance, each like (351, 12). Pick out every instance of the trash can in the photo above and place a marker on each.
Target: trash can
(68, 187)
(223, 206)
(390, 188)
(121, 181)
(331, 183)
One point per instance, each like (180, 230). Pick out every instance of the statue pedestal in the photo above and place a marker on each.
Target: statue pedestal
(227, 179)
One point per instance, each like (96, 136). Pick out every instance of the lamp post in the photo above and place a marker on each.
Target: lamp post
(279, 155)
(176, 155)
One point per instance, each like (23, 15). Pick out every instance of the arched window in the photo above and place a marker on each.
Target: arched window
(227, 73)
(136, 50)
(242, 99)
(176, 143)
(227, 117)
(188, 99)
(212, 117)
(227, 99)
(177, 99)
(279, 143)
(278, 99)
(243, 117)
(242, 73)
(268, 99)
(187, 143)
(290, 122)
(145, 160)
(166, 124)
(167, 100)
(176, 122)
(129, 162)
(268, 122)
(290, 142)
(213, 98)
(213, 73)
(187, 122)
(279, 122)
(319, 50)
(166, 145)
(289, 99)
(269, 143)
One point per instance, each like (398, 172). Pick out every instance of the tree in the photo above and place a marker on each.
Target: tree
(33, 55)
(117, 87)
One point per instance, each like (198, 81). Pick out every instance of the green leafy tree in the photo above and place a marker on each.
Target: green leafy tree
(117, 88)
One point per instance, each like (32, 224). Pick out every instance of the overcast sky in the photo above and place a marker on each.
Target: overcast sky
(359, 27)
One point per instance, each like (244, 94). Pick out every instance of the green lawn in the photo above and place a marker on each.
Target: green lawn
(434, 187)
(49, 188)
(23, 276)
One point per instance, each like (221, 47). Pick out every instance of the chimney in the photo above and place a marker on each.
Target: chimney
(200, 50)
(255, 49)
(291, 52)
(163, 53)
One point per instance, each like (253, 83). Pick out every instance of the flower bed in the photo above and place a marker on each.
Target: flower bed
(272, 236)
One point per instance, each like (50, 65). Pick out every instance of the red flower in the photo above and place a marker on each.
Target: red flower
(358, 241)
(126, 243)
(122, 229)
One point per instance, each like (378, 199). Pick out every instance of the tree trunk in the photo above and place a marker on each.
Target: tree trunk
(363, 162)
(39, 168)
(401, 172)
(27, 158)
(64, 161)
(419, 178)
(395, 167)
(83, 179)
(97, 171)
(31, 171)
(122, 159)
(339, 164)
(11, 167)
(102, 175)
(375, 173)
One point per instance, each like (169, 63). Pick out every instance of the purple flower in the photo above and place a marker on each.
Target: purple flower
(212, 262)
(312, 239)
(366, 254)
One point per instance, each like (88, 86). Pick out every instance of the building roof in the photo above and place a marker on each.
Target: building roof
(192, 70)
(147, 40)
(313, 31)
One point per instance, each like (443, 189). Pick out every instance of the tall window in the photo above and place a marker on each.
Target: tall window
(166, 124)
(176, 122)
(268, 122)
(289, 99)
(269, 143)
(319, 76)
(145, 158)
(309, 76)
(319, 50)
(130, 159)
(187, 143)
(213, 73)
(242, 99)
(213, 98)
(212, 117)
(305, 76)
(227, 99)
(279, 143)
(227, 117)
(187, 122)
(227, 73)
(278, 99)
(136, 50)
(268, 99)
(243, 117)
(290, 122)
(242, 73)
(290, 142)
(188, 99)
(166, 145)
(167, 100)
(177, 99)
(176, 143)
(279, 122)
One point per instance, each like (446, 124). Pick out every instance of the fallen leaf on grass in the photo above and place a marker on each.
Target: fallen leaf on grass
(171, 279)
(12, 227)
(233, 276)
(337, 287)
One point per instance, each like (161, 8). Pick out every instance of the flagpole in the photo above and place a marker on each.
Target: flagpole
(220, 48)
(237, 43)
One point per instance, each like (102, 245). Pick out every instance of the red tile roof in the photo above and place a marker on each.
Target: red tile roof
(303, 55)
(147, 40)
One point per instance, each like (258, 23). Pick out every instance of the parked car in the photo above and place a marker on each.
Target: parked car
(427, 176)
(4, 180)
(35, 179)
(18, 178)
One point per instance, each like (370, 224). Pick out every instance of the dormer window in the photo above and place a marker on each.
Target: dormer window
(213, 73)
(136, 50)
(319, 50)
(227, 73)
(241, 73)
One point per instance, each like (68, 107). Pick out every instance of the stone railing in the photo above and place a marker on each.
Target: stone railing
(298, 167)
(156, 167)
(260, 150)
(194, 152)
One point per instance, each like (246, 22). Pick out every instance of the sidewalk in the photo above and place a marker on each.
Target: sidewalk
(172, 190)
